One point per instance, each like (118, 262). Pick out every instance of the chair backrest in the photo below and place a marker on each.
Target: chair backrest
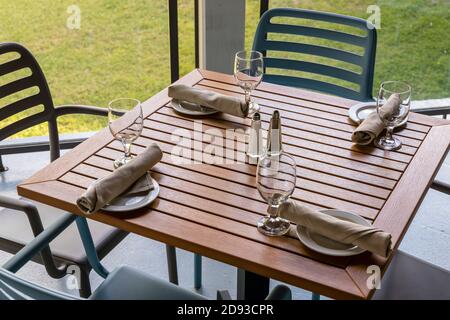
(26, 98)
(333, 52)
(14, 288)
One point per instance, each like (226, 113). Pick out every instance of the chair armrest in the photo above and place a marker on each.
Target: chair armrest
(37, 228)
(39, 243)
(441, 186)
(80, 109)
(280, 292)
(27, 208)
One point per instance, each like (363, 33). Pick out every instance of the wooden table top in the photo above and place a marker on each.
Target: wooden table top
(212, 209)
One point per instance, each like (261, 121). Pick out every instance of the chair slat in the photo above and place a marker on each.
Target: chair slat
(311, 67)
(23, 124)
(20, 105)
(11, 66)
(17, 85)
(316, 50)
(310, 84)
(319, 16)
(317, 33)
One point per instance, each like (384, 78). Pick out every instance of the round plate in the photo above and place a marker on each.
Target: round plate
(133, 202)
(360, 111)
(327, 246)
(191, 109)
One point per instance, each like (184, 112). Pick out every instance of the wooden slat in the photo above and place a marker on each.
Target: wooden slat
(301, 162)
(230, 181)
(297, 151)
(305, 197)
(171, 123)
(170, 202)
(309, 108)
(286, 94)
(169, 116)
(324, 122)
(299, 96)
(310, 180)
(409, 145)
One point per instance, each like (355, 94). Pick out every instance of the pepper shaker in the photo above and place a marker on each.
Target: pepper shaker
(274, 144)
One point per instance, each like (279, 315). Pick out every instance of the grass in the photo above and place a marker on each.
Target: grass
(122, 47)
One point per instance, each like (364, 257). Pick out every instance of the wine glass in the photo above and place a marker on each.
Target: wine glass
(248, 72)
(276, 175)
(125, 123)
(393, 104)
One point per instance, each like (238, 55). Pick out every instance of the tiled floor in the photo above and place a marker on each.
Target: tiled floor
(428, 238)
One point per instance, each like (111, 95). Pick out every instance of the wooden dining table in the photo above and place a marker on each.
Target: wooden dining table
(212, 208)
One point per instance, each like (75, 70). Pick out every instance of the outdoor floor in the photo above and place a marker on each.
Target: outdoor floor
(428, 238)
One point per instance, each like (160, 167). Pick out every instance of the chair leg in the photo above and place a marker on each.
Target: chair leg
(2, 167)
(197, 271)
(172, 263)
(85, 283)
(315, 296)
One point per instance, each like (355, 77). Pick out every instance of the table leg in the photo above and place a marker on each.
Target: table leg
(89, 246)
(172, 264)
(251, 286)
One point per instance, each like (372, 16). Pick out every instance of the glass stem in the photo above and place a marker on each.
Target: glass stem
(127, 148)
(272, 211)
(247, 97)
(389, 131)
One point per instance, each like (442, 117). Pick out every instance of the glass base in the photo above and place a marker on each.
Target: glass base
(273, 226)
(120, 162)
(253, 107)
(388, 144)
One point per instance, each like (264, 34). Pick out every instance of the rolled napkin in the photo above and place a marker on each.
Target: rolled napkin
(130, 178)
(220, 102)
(372, 126)
(368, 238)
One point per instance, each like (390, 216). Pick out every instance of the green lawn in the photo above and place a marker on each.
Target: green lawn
(122, 48)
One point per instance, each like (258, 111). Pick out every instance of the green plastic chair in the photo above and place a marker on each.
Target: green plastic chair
(366, 61)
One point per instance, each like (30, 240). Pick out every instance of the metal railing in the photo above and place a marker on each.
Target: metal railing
(173, 32)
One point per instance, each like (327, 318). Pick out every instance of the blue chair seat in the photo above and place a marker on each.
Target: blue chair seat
(126, 283)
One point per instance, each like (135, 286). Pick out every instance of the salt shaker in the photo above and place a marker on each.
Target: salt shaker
(255, 143)
(274, 145)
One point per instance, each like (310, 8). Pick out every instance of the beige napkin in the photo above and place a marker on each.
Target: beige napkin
(368, 238)
(372, 126)
(130, 178)
(220, 102)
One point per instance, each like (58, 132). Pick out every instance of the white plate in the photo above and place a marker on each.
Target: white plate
(361, 111)
(133, 202)
(327, 246)
(191, 109)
